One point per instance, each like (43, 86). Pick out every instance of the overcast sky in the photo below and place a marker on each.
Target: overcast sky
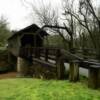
(17, 14)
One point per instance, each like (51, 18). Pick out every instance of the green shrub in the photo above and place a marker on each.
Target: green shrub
(4, 65)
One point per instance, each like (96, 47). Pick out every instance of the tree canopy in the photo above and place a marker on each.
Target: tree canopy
(4, 32)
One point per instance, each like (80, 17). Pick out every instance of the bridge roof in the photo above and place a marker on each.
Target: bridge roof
(32, 28)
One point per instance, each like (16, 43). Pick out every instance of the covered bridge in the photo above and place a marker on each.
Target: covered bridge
(31, 36)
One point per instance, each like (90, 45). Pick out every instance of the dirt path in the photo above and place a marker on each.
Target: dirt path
(8, 75)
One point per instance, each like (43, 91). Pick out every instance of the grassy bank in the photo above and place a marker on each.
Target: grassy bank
(35, 89)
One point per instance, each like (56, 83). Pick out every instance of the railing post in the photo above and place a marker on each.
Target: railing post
(46, 54)
(85, 53)
(37, 52)
(33, 52)
(58, 54)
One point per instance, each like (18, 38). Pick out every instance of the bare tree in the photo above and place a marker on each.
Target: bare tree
(70, 22)
(48, 16)
(83, 18)
(88, 18)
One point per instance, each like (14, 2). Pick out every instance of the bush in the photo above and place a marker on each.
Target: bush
(4, 65)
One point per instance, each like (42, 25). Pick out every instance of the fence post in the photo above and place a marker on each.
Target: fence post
(36, 52)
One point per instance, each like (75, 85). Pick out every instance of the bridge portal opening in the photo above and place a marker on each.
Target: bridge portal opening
(27, 40)
(31, 40)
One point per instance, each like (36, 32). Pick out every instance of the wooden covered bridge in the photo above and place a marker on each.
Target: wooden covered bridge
(33, 59)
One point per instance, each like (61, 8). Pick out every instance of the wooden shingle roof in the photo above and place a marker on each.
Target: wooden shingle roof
(32, 29)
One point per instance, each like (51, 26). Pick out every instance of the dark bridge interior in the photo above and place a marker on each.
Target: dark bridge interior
(29, 39)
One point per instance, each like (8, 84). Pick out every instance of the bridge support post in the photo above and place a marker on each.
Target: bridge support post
(23, 66)
(60, 68)
(94, 78)
(73, 71)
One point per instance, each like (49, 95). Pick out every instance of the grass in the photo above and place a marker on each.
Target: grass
(38, 89)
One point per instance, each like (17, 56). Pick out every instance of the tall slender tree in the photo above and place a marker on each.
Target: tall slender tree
(4, 31)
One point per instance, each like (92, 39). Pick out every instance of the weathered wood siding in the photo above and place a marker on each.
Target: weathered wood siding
(14, 45)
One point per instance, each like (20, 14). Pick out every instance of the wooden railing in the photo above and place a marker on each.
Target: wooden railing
(61, 56)
(51, 52)
(38, 52)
